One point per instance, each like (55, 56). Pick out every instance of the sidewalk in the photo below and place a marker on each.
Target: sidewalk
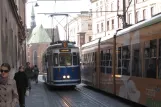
(37, 96)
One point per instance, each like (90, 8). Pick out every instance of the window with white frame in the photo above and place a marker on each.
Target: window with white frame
(152, 11)
(100, 2)
(119, 4)
(96, 4)
(97, 13)
(111, 6)
(137, 17)
(108, 25)
(130, 18)
(144, 14)
(101, 10)
(90, 38)
(120, 23)
(97, 28)
(101, 27)
(107, 9)
(89, 26)
(113, 26)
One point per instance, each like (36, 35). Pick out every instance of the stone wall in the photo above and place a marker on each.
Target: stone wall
(10, 47)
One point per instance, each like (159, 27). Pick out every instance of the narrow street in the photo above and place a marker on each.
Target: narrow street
(42, 96)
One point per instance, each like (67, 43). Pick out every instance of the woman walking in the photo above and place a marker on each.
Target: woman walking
(8, 90)
(22, 84)
(36, 73)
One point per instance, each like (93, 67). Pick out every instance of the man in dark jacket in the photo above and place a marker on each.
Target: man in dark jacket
(22, 84)
(29, 73)
(36, 72)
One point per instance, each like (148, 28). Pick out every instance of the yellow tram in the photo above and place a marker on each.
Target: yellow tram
(138, 63)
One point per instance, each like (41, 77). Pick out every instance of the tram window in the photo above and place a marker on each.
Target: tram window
(79, 60)
(50, 60)
(75, 59)
(106, 55)
(153, 48)
(136, 62)
(159, 61)
(107, 61)
(55, 59)
(119, 53)
(102, 62)
(93, 57)
(119, 64)
(101, 55)
(65, 59)
(126, 52)
(150, 58)
(125, 60)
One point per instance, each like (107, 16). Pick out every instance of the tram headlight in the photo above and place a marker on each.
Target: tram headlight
(64, 76)
(68, 76)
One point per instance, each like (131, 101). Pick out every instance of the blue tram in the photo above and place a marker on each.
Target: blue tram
(62, 64)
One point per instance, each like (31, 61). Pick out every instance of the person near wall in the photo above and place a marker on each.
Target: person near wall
(29, 74)
(22, 85)
(36, 73)
(8, 89)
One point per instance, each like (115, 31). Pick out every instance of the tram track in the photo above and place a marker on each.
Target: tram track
(77, 98)
(89, 101)
(52, 97)
(64, 100)
(95, 100)
(104, 99)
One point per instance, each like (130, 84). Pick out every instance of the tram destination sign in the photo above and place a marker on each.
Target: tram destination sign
(64, 50)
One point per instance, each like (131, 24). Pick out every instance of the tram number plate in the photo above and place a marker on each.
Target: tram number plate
(64, 50)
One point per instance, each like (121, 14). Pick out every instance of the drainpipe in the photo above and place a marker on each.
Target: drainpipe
(135, 11)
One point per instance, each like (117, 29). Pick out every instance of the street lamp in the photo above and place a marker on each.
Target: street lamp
(36, 4)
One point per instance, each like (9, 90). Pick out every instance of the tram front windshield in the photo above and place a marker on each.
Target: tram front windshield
(65, 59)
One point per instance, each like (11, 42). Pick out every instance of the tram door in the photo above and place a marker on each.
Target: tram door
(49, 65)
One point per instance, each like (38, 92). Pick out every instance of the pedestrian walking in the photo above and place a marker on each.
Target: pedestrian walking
(22, 85)
(29, 74)
(8, 89)
(36, 73)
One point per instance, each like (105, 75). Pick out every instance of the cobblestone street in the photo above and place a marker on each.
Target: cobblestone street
(41, 96)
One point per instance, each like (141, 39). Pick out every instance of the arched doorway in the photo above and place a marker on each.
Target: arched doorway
(35, 57)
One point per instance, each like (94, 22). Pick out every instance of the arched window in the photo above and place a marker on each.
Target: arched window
(35, 58)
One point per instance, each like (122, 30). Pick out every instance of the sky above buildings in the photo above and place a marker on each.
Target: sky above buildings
(50, 7)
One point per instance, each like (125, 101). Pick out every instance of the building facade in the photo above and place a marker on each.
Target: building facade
(36, 45)
(106, 23)
(38, 39)
(80, 29)
(12, 32)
